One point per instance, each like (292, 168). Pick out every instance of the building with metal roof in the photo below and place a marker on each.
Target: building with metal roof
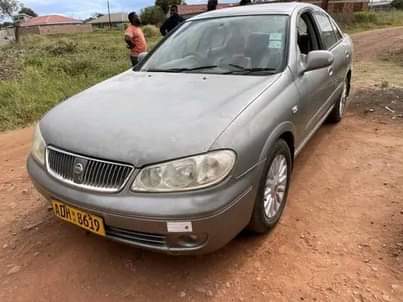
(115, 19)
(52, 24)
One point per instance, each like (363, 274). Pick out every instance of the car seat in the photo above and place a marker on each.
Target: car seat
(257, 48)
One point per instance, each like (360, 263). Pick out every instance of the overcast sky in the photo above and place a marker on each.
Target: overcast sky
(85, 8)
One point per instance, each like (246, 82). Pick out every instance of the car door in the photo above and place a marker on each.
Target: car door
(342, 54)
(332, 42)
(315, 87)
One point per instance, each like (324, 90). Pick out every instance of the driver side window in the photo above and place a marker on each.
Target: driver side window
(306, 35)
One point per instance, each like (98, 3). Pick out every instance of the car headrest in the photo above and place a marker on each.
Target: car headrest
(304, 43)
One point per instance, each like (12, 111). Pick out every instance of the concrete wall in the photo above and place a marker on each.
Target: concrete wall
(56, 29)
(6, 36)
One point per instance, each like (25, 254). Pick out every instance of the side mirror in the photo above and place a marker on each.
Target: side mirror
(318, 59)
(142, 56)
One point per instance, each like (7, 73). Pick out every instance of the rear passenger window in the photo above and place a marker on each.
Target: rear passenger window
(326, 30)
(339, 35)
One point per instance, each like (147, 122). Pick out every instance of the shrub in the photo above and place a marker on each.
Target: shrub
(343, 19)
(61, 47)
(151, 31)
(152, 15)
(74, 65)
(398, 4)
(365, 17)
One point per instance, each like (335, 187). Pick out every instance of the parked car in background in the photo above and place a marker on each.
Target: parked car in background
(198, 142)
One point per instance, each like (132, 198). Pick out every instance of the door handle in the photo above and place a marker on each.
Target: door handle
(330, 70)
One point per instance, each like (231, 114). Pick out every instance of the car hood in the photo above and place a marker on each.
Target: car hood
(142, 118)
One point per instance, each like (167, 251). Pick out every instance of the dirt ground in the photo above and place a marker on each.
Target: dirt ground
(340, 239)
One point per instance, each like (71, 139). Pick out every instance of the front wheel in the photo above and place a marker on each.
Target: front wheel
(340, 107)
(273, 189)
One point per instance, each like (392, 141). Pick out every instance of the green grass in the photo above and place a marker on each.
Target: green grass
(362, 21)
(42, 71)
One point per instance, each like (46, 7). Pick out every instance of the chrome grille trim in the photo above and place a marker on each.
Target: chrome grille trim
(99, 175)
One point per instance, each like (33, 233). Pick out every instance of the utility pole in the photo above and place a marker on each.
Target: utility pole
(109, 14)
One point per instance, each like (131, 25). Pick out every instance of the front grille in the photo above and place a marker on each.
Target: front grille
(137, 237)
(89, 173)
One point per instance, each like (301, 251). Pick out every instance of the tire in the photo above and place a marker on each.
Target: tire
(263, 219)
(341, 105)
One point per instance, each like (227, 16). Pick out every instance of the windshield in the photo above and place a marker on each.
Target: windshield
(231, 45)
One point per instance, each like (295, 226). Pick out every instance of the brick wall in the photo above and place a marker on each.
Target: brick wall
(56, 29)
(65, 29)
(28, 30)
(344, 7)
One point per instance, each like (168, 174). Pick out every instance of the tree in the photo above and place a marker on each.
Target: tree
(152, 15)
(165, 4)
(8, 8)
(28, 11)
(6, 24)
(398, 4)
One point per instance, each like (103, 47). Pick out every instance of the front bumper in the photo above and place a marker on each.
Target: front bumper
(216, 214)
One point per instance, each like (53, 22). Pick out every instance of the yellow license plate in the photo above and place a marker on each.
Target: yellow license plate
(84, 220)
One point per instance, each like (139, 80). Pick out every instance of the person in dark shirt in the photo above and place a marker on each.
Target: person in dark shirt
(173, 21)
(212, 5)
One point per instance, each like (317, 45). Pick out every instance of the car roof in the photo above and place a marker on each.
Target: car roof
(283, 8)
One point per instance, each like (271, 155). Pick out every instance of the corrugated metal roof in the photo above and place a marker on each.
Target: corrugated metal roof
(50, 20)
(115, 18)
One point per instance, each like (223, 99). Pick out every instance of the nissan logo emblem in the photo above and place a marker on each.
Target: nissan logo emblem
(78, 169)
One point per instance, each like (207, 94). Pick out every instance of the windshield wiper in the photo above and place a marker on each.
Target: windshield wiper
(183, 69)
(242, 69)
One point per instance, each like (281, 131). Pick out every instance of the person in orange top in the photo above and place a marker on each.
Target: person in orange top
(134, 38)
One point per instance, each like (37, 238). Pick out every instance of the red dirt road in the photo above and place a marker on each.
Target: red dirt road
(370, 44)
(340, 239)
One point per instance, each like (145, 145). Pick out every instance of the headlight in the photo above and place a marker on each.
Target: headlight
(186, 174)
(38, 146)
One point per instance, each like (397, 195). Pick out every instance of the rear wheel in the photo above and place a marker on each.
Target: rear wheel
(273, 189)
(340, 107)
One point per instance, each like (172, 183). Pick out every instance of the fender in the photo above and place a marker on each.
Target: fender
(274, 135)
(282, 128)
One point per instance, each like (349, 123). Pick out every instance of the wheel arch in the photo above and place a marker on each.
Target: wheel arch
(288, 137)
(285, 131)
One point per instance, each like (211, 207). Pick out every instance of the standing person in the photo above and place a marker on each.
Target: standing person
(245, 2)
(173, 21)
(134, 38)
(212, 5)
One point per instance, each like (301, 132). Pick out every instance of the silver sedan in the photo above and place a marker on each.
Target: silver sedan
(198, 141)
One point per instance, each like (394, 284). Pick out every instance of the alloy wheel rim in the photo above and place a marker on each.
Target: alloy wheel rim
(276, 185)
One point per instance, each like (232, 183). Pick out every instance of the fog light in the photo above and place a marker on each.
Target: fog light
(191, 240)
